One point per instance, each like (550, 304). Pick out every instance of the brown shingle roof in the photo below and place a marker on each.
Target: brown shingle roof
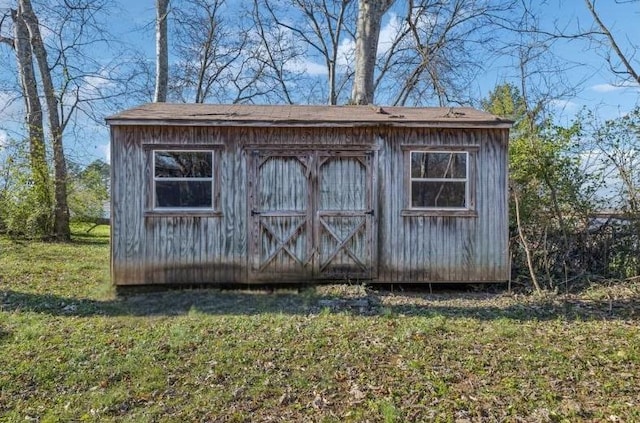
(293, 115)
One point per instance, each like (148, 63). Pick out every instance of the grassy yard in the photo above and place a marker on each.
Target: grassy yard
(72, 350)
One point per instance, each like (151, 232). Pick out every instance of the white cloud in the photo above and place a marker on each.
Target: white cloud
(346, 50)
(608, 189)
(307, 66)
(98, 80)
(92, 85)
(607, 88)
(4, 138)
(388, 34)
(105, 149)
(592, 160)
(566, 105)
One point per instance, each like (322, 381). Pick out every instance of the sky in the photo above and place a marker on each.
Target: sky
(598, 89)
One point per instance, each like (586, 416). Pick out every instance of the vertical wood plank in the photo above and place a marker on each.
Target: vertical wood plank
(115, 231)
(218, 249)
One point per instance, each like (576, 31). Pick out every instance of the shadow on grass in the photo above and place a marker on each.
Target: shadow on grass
(4, 333)
(88, 240)
(84, 238)
(222, 302)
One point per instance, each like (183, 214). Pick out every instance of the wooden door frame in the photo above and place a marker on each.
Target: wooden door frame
(370, 221)
(257, 155)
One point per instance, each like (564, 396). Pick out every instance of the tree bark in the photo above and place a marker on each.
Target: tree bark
(370, 14)
(162, 52)
(61, 230)
(33, 115)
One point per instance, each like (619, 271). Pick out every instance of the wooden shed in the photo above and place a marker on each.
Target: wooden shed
(267, 194)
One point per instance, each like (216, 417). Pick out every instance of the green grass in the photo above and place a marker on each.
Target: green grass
(72, 350)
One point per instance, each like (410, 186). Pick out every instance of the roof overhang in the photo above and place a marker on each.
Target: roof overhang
(166, 114)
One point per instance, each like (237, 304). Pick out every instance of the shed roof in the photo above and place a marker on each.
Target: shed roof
(298, 115)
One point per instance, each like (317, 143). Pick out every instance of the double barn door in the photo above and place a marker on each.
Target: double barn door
(312, 215)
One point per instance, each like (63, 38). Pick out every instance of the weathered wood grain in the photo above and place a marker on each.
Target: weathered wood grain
(444, 246)
(326, 200)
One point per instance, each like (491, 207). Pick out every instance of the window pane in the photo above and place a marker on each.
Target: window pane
(188, 194)
(183, 164)
(438, 194)
(438, 165)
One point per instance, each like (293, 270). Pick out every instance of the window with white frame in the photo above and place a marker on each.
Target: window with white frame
(439, 180)
(183, 179)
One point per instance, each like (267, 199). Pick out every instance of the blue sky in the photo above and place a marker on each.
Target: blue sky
(598, 89)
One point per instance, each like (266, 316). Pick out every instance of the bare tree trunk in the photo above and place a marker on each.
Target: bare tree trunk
(370, 14)
(37, 150)
(162, 51)
(333, 93)
(61, 230)
(525, 244)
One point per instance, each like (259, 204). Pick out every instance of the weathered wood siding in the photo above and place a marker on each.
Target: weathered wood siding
(170, 248)
(420, 248)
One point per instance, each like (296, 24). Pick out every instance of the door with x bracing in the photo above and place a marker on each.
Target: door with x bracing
(312, 215)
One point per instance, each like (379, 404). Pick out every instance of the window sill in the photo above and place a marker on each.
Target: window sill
(438, 213)
(182, 213)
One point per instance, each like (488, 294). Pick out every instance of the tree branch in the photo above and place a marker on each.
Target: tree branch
(6, 40)
(614, 45)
